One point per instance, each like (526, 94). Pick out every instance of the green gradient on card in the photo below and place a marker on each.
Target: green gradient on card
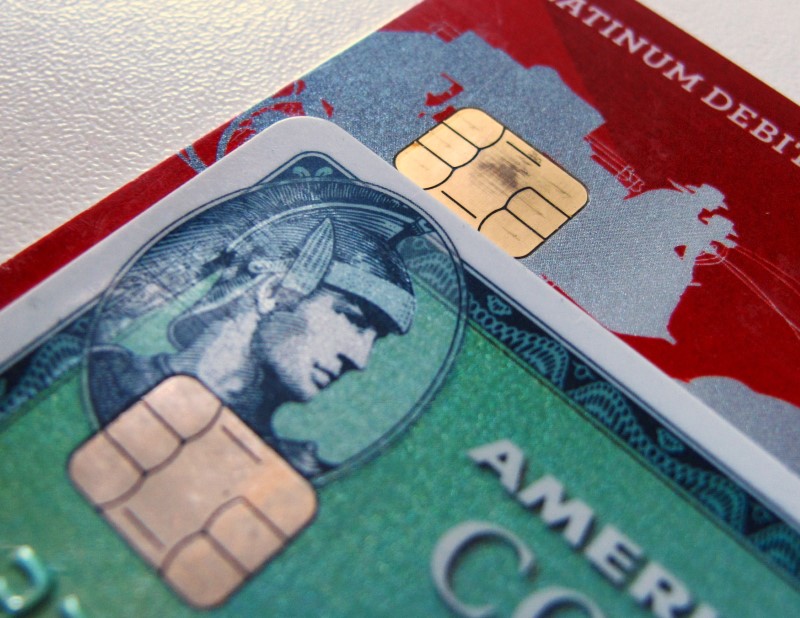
(368, 551)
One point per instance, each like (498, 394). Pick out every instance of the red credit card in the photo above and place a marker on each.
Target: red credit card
(685, 244)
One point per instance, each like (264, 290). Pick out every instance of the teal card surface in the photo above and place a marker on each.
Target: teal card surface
(300, 386)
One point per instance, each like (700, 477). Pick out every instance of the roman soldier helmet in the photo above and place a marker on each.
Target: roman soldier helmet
(351, 247)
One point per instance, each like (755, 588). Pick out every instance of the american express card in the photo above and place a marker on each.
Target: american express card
(298, 386)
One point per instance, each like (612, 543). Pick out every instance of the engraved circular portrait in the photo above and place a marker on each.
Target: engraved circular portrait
(323, 311)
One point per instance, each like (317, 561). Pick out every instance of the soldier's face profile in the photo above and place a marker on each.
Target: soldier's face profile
(309, 347)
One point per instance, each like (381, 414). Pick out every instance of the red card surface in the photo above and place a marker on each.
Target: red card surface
(675, 117)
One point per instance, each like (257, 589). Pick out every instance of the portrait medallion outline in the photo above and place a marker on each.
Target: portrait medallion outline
(315, 178)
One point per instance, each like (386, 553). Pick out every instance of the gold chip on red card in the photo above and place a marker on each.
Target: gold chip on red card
(494, 180)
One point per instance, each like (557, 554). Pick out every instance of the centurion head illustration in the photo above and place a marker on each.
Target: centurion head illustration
(211, 352)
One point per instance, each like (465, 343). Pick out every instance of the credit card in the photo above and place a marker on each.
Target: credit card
(685, 243)
(298, 385)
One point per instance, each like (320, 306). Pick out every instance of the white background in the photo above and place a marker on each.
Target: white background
(95, 93)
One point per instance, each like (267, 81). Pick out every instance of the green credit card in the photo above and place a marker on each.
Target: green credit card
(300, 386)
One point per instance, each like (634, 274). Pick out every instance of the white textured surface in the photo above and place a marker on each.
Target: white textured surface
(759, 35)
(95, 93)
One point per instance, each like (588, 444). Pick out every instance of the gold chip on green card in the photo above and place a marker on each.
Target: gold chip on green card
(493, 179)
(193, 490)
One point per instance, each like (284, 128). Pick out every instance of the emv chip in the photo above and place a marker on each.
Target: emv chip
(193, 490)
(493, 179)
